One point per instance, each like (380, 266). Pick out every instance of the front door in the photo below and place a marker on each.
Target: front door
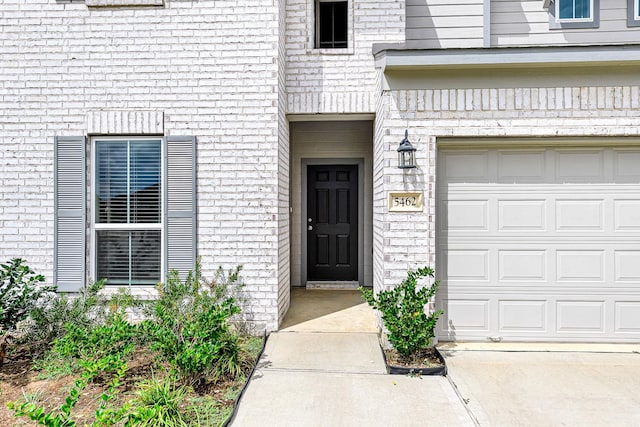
(332, 222)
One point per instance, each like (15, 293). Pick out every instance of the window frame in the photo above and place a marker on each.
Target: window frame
(633, 13)
(555, 23)
(315, 39)
(317, 24)
(96, 226)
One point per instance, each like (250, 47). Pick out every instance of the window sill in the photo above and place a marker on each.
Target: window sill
(330, 51)
(569, 25)
(123, 3)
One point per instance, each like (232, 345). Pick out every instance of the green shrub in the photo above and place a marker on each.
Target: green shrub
(403, 312)
(158, 403)
(101, 350)
(189, 326)
(20, 290)
(49, 319)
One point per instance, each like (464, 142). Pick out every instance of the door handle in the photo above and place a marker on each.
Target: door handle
(310, 227)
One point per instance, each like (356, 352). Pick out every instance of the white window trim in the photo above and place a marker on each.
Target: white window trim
(633, 13)
(312, 30)
(567, 24)
(590, 19)
(91, 207)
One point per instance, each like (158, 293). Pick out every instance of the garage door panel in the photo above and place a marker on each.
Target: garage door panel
(522, 215)
(580, 316)
(466, 215)
(523, 315)
(467, 265)
(465, 315)
(579, 166)
(627, 215)
(521, 166)
(584, 215)
(580, 266)
(627, 266)
(467, 166)
(522, 265)
(626, 166)
(627, 317)
(546, 251)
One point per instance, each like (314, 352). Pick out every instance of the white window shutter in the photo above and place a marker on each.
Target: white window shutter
(70, 213)
(180, 203)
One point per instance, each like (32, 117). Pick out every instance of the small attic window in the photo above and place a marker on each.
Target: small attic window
(331, 24)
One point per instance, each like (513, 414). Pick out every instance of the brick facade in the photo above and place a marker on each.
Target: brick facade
(234, 74)
(581, 113)
(207, 69)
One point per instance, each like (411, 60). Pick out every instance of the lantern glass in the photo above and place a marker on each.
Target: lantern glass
(406, 153)
(406, 159)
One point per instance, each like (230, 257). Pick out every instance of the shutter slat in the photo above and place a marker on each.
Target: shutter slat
(180, 194)
(70, 213)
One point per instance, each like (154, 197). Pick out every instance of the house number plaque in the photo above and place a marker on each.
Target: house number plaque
(406, 202)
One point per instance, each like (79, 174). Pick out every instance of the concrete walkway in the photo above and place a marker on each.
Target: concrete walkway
(325, 368)
(551, 388)
(339, 379)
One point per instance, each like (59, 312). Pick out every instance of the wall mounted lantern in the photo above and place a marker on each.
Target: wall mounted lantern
(406, 153)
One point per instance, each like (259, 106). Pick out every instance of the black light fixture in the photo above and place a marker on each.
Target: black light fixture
(406, 153)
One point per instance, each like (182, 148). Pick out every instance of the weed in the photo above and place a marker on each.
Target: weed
(158, 403)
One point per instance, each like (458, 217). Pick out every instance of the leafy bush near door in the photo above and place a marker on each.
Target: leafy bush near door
(403, 311)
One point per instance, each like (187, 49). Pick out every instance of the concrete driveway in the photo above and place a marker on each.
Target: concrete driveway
(554, 387)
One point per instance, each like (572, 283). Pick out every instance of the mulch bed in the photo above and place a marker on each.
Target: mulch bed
(425, 362)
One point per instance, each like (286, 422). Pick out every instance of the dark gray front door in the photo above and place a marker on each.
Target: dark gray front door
(332, 222)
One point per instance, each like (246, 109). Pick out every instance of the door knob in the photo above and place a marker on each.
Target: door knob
(310, 227)
(309, 220)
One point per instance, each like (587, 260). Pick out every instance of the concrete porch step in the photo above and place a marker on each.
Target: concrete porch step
(323, 352)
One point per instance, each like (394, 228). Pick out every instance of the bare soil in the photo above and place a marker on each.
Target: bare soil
(18, 380)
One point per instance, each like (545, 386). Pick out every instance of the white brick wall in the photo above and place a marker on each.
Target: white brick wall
(408, 241)
(338, 80)
(284, 273)
(209, 66)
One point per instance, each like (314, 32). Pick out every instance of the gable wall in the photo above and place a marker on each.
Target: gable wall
(433, 24)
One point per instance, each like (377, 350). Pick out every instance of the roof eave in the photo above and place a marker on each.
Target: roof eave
(402, 57)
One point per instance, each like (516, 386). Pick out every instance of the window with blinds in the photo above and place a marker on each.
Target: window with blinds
(128, 206)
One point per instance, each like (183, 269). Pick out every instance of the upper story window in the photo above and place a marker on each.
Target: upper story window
(633, 13)
(332, 24)
(574, 10)
(567, 14)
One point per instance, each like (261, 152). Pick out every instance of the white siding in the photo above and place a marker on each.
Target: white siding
(526, 23)
(444, 23)
(433, 24)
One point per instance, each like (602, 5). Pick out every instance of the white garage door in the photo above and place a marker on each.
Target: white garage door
(539, 244)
